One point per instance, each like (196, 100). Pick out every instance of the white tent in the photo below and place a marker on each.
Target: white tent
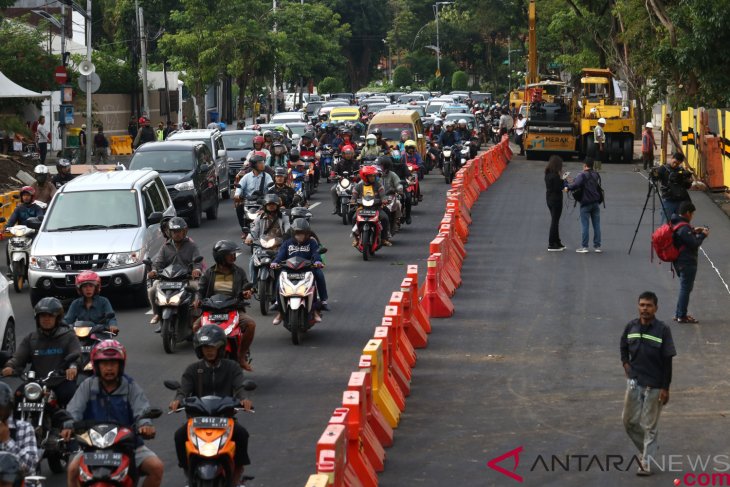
(8, 89)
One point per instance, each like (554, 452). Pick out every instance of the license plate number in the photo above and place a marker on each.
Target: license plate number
(295, 276)
(219, 317)
(102, 459)
(367, 212)
(30, 406)
(171, 285)
(210, 422)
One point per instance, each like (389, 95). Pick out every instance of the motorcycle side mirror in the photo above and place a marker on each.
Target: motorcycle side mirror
(173, 385)
(249, 385)
(147, 261)
(152, 413)
(323, 250)
(33, 222)
(245, 230)
(243, 159)
(198, 259)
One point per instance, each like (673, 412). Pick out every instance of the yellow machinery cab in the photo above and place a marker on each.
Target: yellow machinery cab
(393, 122)
(551, 127)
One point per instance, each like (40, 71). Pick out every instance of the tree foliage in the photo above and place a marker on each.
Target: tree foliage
(402, 77)
(23, 60)
(330, 85)
(459, 81)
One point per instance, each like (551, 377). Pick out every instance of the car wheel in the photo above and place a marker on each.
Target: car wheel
(9, 337)
(212, 212)
(195, 218)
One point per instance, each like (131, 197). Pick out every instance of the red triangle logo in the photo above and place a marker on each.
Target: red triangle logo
(515, 454)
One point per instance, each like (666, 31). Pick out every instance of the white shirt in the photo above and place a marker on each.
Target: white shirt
(520, 127)
(598, 135)
(42, 135)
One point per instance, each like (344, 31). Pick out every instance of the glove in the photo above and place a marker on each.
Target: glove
(274, 265)
(318, 265)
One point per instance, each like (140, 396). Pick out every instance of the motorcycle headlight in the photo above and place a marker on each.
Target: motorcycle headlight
(88, 367)
(32, 391)
(161, 298)
(345, 183)
(46, 262)
(82, 331)
(123, 259)
(102, 441)
(208, 449)
(186, 186)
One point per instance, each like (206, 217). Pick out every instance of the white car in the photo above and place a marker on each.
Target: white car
(286, 117)
(7, 318)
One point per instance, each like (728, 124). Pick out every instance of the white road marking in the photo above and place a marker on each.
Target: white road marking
(314, 205)
(149, 312)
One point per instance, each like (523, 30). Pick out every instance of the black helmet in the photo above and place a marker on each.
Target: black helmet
(376, 131)
(6, 396)
(308, 135)
(51, 306)
(280, 171)
(10, 471)
(272, 199)
(223, 248)
(177, 223)
(300, 225)
(294, 155)
(385, 163)
(211, 335)
(299, 212)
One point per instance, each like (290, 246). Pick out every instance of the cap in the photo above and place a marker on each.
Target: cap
(649, 125)
(601, 120)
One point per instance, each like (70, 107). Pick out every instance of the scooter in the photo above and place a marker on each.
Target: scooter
(18, 253)
(326, 161)
(412, 185)
(344, 193)
(367, 227)
(448, 165)
(263, 253)
(311, 168)
(300, 180)
(210, 447)
(89, 334)
(297, 297)
(222, 310)
(251, 208)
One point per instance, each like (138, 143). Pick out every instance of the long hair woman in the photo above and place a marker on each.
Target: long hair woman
(554, 195)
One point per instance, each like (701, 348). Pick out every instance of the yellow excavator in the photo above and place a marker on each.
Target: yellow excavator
(599, 99)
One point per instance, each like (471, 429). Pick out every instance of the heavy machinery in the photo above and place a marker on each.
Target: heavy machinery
(601, 98)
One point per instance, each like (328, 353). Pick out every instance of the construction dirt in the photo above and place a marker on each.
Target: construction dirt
(9, 168)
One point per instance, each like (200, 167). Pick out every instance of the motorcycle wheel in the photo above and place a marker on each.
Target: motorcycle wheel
(263, 297)
(447, 172)
(169, 340)
(57, 461)
(18, 276)
(365, 241)
(344, 211)
(295, 325)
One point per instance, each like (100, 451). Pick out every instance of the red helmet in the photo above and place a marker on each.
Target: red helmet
(259, 139)
(88, 277)
(347, 149)
(142, 120)
(366, 171)
(108, 350)
(29, 190)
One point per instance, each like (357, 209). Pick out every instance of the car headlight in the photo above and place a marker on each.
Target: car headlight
(122, 259)
(186, 186)
(46, 262)
(32, 391)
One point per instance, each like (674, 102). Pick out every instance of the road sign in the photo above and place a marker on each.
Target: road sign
(60, 75)
(95, 82)
(438, 73)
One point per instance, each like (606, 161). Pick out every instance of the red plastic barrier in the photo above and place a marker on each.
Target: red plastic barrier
(449, 276)
(436, 302)
(394, 310)
(332, 454)
(413, 330)
(374, 442)
(419, 312)
(447, 227)
(357, 467)
(399, 386)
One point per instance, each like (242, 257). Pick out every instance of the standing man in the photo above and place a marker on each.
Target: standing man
(520, 132)
(647, 349)
(648, 144)
(82, 144)
(42, 137)
(590, 183)
(599, 139)
(688, 240)
(674, 181)
(101, 146)
(145, 134)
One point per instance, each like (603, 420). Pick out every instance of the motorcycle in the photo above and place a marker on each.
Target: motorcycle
(89, 334)
(326, 161)
(209, 447)
(108, 452)
(368, 227)
(433, 157)
(297, 297)
(300, 182)
(251, 208)
(412, 186)
(222, 311)
(344, 193)
(264, 252)
(449, 160)
(18, 253)
(495, 136)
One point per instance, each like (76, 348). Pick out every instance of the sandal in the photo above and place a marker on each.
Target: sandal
(688, 319)
(155, 319)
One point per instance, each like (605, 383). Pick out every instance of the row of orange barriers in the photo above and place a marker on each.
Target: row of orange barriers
(351, 450)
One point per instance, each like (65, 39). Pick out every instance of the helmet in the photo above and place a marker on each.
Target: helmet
(347, 132)
(385, 163)
(258, 140)
(376, 131)
(449, 123)
(395, 156)
(300, 225)
(294, 155)
(348, 150)
(223, 248)
(63, 163)
(281, 128)
(268, 133)
(328, 127)
(209, 335)
(177, 223)
(410, 144)
(88, 277)
(438, 122)
(602, 120)
(462, 121)
(308, 135)
(108, 350)
(6, 397)
(257, 156)
(29, 190)
(271, 198)
(50, 306)
(10, 471)
(366, 171)
(280, 171)
(278, 148)
(41, 173)
(649, 125)
(299, 213)
(371, 137)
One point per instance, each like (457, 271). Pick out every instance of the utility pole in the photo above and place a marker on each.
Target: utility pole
(274, 98)
(143, 52)
(62, 122)
(438, 45)
(89, 126)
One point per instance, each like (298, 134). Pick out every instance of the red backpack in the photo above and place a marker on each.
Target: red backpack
(663, 241)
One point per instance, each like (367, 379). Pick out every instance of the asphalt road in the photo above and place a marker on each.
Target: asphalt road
(298, 387)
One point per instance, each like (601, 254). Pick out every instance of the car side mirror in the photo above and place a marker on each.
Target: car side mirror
(204, 168)
(33, 222)
(221, 153)
(147, 261)
(420, 136)
(154, 218)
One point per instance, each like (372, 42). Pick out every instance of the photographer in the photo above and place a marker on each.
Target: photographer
(674, 181)
(688, 240)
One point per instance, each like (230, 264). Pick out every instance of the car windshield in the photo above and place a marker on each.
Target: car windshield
(163, 161)
(391, 131)
(111, 209)
(238, 141)
(434, 107)
(182, 136)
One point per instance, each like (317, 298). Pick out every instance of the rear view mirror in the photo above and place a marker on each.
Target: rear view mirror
(33, 222)
(221, 153)
(155, 217)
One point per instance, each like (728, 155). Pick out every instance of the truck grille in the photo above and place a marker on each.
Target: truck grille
(81, 262)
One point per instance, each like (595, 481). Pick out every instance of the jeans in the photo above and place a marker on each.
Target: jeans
(671, 208)
(43, 151)
(687, 274)
(641, 418)
(556, 209)
(592, 211)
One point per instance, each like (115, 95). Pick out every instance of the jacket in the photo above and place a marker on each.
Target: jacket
(262, 226)
(648, 349)
(145, 134)
(22, 212)
(391, 181)
(207, 282)
(370, 150)
(286, 193)
(60, 179)
(308, 250)
(100, 307)
(687, 241)
(553, 187)
(225, 379)
(357, 191)
(46, 353)
(185, 255)
(447, 139)
(674, 183)
(647, 142)
(589, 181)
(401, 170)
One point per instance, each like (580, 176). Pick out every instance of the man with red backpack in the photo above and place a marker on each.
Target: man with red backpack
(687, 239)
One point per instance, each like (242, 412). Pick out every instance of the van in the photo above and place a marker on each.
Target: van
(393, 122)
(106, 222)
(344, 114)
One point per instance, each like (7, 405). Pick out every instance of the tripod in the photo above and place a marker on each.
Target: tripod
(652, 192)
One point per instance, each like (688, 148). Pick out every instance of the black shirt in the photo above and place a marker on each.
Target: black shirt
(223, 380)
(674, 183)
(648, 349)
(687, 241)
(553, 186)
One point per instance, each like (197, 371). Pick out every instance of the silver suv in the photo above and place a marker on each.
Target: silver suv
(214, 140)
(107, 222)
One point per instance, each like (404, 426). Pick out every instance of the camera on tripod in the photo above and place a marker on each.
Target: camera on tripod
(654, 173)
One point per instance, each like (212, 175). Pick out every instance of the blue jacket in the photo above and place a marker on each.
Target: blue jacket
(449, 138)
(22, 212)
(291, 248)
(100, 306)
(589, 181)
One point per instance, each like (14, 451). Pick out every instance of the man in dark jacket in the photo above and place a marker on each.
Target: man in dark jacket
(590, 183)
(146, 133)
(688, 240)
(48, 348)
(675, 181)
(647, 349)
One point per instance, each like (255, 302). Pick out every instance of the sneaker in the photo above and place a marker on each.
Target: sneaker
(582, 250)
(598, 250)
(408, 220)
(317, 318)
(644, 470)
(555, 249)
(387, 243)
(325, 306)
(688, 319)
(155, 319)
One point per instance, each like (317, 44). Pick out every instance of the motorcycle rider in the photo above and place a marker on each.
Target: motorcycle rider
(180, 249)
(268, 139)
(346, 141)
(412, 157)
(368, 186)
(286, 193)
(302, 244)
(307, 146)
(437, 129)
(271, 223)
(44, 188)
(381, 141)
(391, 184)
(47, 348)
(449, 137)
(63, 175)
(278, 157)
(404, 136)
(110, 395)
(257, 181)
(371, 149)
(258, 146)
(90, 306)
(17, 438)
(213, 375)
(348, 164)
(225, 277)
(329, 136)
(463, 129)
(26, 209)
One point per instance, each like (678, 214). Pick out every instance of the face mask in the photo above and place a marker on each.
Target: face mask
(371, 142)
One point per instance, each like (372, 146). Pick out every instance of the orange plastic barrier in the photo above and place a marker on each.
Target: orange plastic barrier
(318, 480)
(377, 433)
(400, 385)
(121, 145)
(447, 228)
(358, 445)
(436, 302)
(451, 276)
(419, 313)
(378, 375)
(413, 330)
(332, 455)
(358, 470)
(394, 310)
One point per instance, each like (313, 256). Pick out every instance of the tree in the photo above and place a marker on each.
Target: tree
(402, 77)
(23, 60)
(459, 81)
(330, 85)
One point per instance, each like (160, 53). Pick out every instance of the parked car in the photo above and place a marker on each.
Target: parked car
(8, 339)
(108, 222)
(187, 169)
(238, 144)
(214, 140)
(286, 117)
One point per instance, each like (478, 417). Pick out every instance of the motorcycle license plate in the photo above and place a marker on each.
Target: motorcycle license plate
(219, 317)
(367, 212)
(34, 407)
(295, 276)
(70, 279)
(210, 422)
(171, 285)
(103, 459)
(86, 349)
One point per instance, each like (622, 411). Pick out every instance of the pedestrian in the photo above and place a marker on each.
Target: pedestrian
(42, 137)
(675, 182)
(101, 146)
(145, 134)
(160, 132)
(554, 186)
(599, 141)
(168, 130)
(688, 240)
(520, 133)
(132, 128)
(82, 144)
(648, 144)
(590, 195)
(647, 349)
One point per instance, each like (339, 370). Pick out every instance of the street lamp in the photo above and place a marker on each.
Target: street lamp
(438, 46)
(179, 104)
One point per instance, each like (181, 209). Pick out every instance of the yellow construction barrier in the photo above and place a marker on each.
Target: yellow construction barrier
(121, 145)
(318, 480)
(725, 133)
(383, 398)
(8, 202)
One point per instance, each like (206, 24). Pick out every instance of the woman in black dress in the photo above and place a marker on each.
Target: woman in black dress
(554, 194)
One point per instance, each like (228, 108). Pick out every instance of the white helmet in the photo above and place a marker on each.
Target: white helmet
(41, 169)
(649, 125)
(449, 123)
(371, 137)
(462, 121)
(602, 120)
